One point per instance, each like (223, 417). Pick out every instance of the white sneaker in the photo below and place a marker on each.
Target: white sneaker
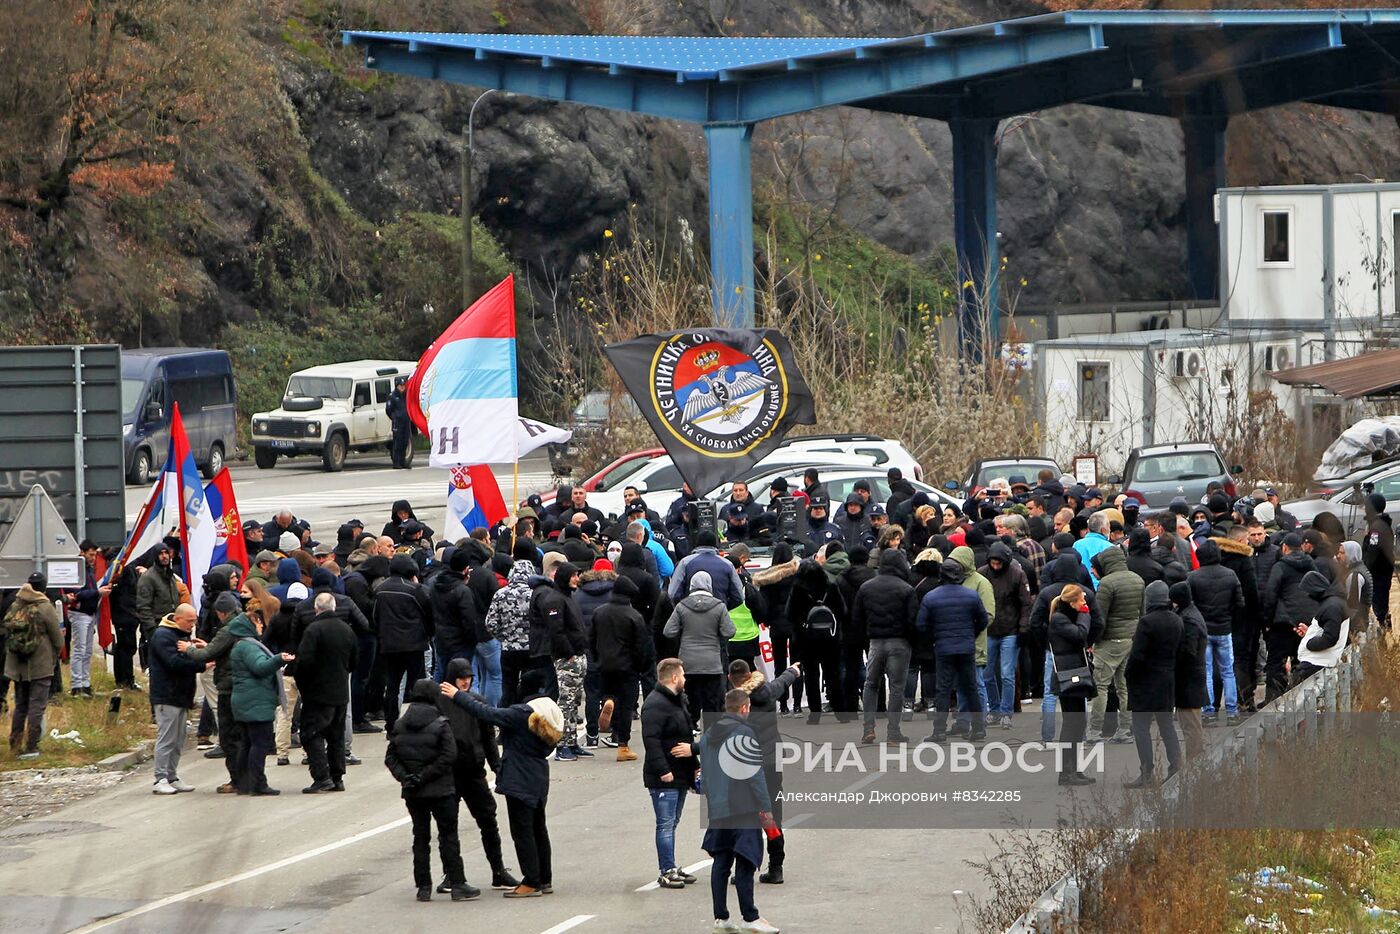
(726, 926)
(758, 926)
(163, 787)
(181, 786)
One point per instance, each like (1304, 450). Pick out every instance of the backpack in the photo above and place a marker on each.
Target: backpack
(820, 619)
(24, 628)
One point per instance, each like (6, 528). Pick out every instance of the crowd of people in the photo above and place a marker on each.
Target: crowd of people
(547, 637)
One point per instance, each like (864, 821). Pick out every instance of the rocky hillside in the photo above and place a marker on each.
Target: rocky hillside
(254, 177)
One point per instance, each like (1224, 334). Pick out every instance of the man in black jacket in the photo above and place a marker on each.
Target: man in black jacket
(325, 658)
(1284, 606)
(1217, 593)
(667, 777)
(403, 618)
(885, 608)
(556, 633)
(763, 719)
(1331, 615)
(1238, 556)
(476, 749)
(1378, 554)
(457, 622)
(621, 642)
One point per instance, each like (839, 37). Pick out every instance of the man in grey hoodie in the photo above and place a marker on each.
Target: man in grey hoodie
(702, 622)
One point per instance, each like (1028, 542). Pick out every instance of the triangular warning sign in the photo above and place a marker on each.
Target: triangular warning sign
(49, 537)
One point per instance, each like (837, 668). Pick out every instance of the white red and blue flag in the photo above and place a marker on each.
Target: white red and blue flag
(473, 500)
(197, 533)
(229, 547)
(464, 394)
(146, 532)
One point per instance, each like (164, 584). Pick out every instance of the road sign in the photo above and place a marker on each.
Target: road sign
(39, 540)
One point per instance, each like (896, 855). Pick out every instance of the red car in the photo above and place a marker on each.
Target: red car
(611, 477)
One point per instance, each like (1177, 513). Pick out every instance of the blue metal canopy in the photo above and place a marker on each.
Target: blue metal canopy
(1199, 67)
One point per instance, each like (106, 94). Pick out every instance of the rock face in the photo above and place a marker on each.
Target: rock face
(1090, 201)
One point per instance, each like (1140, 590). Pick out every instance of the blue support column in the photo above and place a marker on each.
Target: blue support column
(731, 223)
(974, 231)
(1204, 139)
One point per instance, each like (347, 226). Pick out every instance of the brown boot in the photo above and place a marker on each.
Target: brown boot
(625, 755)
(523, 891)
(605, 715)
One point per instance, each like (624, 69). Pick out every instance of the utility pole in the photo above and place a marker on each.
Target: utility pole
(468, 285)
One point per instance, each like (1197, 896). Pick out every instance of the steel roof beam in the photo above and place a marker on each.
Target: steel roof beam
(735, 96)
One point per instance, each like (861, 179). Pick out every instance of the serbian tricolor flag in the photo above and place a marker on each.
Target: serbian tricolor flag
(463, 394)
(473, 500)
(146, 532)
(197, 533)
(229, 547)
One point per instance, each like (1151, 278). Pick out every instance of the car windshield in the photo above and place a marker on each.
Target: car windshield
(1025, 469)
(319, 387)
(131, 396)
(599, 406)
(612, 478)
(1196, 465)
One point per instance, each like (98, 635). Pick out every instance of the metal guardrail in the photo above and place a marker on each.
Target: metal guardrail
(1303, 713)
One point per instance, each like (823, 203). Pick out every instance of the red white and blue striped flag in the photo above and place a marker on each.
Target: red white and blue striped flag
(464, 394)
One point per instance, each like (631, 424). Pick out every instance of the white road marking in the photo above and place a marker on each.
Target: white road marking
(690, 870)
(570, 924)
(250, 874)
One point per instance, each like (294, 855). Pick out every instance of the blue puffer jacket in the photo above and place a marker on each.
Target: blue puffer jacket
(953, 615)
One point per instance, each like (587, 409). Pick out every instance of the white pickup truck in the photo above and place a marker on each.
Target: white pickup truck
(329, 411)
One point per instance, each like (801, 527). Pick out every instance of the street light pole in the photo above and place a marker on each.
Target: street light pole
(468, 286)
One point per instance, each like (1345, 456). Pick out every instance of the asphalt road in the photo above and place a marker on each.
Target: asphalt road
(125, 861)
(363, 490)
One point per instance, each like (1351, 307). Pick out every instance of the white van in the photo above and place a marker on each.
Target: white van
(329, 411)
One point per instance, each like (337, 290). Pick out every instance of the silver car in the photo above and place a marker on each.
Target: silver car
(1349, 505)
(1156, 475)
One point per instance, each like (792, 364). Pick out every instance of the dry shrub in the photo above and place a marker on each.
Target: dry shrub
(620, 17)
(867, 374)
(1260, 437)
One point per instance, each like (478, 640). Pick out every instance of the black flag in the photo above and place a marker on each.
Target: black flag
(718, 399)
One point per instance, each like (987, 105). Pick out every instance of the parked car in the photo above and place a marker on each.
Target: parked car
(886, 453)
(1349, 505)
(329, 411)
(201, 381)
(611, 477)
(1156, 475)
(593, 412)
(659, 480)
(984, 471)
(1327, 486)
(839, 482)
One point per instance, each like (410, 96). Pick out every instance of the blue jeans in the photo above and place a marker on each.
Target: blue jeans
(1220, 650)
(1047, 702)
(486, 671)
(964, 717)
(1000, 675)
(667, 803)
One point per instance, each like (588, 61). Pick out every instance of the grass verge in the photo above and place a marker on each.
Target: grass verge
(102, 733)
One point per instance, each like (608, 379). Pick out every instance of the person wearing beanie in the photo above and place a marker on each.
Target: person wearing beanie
(1151, 677)
(421, 753)
(530, 730)
(1264, 512)
(30, 662)
(621, 641)
(723, 575)
(557, 637)
(403, 617)
(1283, 607)
(458, 623)
(595, 589)
(1191, 688)
(226, 607)
(1378, 555)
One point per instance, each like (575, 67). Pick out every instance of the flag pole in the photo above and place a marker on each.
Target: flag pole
(514, 499)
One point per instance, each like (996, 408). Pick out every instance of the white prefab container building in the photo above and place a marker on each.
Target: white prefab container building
(1322, 257)
(1111, 393)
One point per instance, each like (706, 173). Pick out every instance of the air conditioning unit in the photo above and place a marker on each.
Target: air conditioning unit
(1279, 357)
(1189, 364)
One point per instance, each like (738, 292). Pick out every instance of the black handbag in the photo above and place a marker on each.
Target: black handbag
(1076, 681)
